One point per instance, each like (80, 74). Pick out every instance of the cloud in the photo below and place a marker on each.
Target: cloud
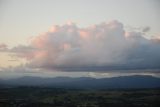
(146, 29)
(101, 47)
(3, 47)
(23, 51)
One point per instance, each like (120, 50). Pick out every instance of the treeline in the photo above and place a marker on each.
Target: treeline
(57, 97)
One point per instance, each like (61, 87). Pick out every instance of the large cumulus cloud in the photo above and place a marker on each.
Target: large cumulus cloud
(105, 46)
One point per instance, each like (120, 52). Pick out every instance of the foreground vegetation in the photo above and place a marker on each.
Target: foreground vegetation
(54, 97)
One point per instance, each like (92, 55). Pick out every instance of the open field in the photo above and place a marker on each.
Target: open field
(55, 97)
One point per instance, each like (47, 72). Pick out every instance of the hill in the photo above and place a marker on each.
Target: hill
(136, 81)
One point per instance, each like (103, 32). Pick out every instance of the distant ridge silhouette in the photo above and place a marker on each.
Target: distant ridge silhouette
(135, 81)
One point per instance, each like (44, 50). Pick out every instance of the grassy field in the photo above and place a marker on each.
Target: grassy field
(54, 97)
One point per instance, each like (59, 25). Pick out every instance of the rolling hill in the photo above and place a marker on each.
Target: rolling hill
(136, 81)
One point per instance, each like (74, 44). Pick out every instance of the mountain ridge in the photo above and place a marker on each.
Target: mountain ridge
(134, 81)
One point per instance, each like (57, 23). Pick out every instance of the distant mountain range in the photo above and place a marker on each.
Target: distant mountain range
(136, 81)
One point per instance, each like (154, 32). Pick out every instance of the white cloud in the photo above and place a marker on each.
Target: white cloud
(105, 46)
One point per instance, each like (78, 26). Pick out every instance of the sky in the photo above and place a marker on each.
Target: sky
(79, 37)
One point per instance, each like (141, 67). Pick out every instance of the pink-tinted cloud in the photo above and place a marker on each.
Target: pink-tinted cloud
(103, 46)
(3, 47)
